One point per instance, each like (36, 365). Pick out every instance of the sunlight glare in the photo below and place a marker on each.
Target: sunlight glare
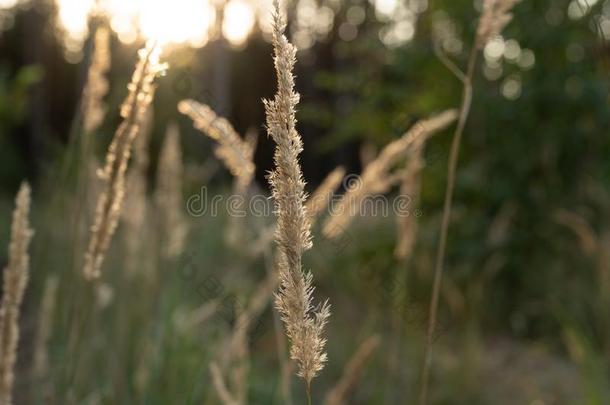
(7, 4)
(385, 8)
(176, 21)
(238, 22)
(123, 16)
(73, 17)
(165, 21)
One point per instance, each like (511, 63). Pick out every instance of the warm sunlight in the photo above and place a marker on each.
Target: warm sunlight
(238, 21)
(176, 21)
(6, 4)
(123, 16)
(332, 202)
(166, 21)
(73, 15)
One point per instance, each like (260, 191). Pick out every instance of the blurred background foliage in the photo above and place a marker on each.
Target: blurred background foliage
(528, 263)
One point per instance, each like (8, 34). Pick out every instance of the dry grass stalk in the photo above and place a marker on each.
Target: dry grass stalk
(593, 244)
(281, 341)
(587, 236)
(169, 194)
(368, 153)
(46, 316)
(148, 358)
(136, 202)
(377, 177)
(16, 276)
(93, 107)
(304, 325)
(109, 204)
(252, 311)
(236, 356)
(352, 372)
(93, 187)
(495, 17)
(320, 199)
(188, 320)
(219, 385)
(236, 153)
(409, 188)
(251, 141)
(240, 232)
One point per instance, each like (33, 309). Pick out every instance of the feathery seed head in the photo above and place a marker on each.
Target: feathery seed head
(304, 324)
(236, 153)
(494, 18)
(97, 85)
(16, 276)
(110, 202)
(377, 177)
(141, 88)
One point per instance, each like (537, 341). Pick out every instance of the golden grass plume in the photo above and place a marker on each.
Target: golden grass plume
(236, 153)
(16, 275)
(303, 323)
(495, 16)
(110, 201)
(377, 177)
(93, 107)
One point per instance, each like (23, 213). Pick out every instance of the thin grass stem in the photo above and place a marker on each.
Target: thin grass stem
(440, 257)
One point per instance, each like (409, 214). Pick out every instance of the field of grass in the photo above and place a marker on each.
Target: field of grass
(155, 276)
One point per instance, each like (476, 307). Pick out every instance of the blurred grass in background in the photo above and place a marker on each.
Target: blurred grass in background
(525, 306)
